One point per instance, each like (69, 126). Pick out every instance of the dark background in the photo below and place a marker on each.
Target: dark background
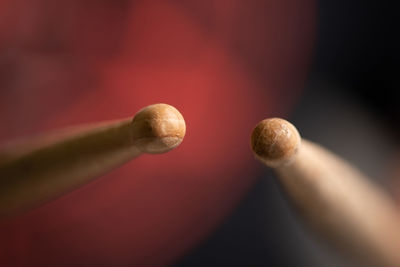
(225, 64)
(349, 105)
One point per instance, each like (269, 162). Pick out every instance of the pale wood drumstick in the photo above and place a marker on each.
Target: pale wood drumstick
(332, 196)
(39, 170)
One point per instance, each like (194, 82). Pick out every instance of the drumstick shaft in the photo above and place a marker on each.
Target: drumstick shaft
(342, 205)
(39, 170)
(332, 196)
(35, 176)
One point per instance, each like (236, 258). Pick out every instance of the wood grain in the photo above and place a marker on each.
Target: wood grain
(37, 170)
(334, 198)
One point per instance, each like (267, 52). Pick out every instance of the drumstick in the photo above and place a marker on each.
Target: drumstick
(332, 196)
(39, 170)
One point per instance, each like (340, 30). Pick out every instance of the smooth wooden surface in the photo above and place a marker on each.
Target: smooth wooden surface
(40, 169)
(49, 168)
(337, 201)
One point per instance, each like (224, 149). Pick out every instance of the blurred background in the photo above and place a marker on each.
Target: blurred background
(350, 105)
(327, 66)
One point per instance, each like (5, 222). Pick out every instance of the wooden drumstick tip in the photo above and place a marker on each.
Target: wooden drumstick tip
(275, 142)
(334, 198)
(158, 128)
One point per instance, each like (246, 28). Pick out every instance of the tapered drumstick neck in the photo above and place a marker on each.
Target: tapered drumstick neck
(36, 171)
(334, 198)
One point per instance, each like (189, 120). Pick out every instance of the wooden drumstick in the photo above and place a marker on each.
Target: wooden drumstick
(39, 170)
(333, 197)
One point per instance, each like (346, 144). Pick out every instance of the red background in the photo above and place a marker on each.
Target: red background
(224, 64)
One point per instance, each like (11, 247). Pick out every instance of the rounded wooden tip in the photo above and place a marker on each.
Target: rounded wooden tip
(158, 128)
(275, 142)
